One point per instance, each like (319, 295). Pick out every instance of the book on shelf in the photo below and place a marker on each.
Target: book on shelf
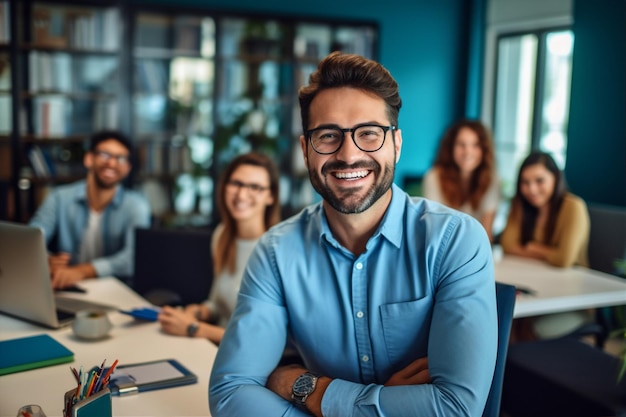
(5, 29)
(5, 72)
(76, 27)
(6, 114)
(48, 27)
(153, 32)
(42, 162)
(6, 164)
(38, 163)
(106, 115)
(51, 115)
(50, 72)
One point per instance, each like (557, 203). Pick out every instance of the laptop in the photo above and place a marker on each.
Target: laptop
(25, 286)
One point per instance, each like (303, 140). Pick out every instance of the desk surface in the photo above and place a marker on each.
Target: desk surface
(555, 289)
(130, 341)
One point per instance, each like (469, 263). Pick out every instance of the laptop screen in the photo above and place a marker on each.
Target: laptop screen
(25, 286)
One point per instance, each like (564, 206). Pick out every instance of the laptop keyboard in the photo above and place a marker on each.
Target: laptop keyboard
(75, 305)
(63, 316)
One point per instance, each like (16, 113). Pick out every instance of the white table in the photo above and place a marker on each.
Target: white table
(130, 341)
(555, 289)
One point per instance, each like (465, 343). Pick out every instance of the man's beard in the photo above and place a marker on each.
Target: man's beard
(349, 204)
(102, 184)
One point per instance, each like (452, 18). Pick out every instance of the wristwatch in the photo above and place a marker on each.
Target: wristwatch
(302, 388)
(192, 329)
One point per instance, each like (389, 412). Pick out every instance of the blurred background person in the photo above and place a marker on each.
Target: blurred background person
(248, 203)
(548, 223)
(463, 175)
(93, 221)
(545, 221)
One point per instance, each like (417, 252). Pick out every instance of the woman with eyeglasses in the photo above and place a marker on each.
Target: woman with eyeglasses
(248, 203)
(464, 173)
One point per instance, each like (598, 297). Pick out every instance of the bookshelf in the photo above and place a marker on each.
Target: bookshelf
(63, 84)
(193, 87)
(7, 200)
(210, 85)
(173, 78)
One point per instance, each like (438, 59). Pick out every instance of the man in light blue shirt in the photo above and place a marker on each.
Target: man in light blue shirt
(94, 220)
(388, 302)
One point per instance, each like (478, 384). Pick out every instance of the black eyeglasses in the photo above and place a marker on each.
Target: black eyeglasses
(254, 188)
(105, 156)
(328, 140)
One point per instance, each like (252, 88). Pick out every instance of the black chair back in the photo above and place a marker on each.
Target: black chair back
(505, 298)
(173, 266)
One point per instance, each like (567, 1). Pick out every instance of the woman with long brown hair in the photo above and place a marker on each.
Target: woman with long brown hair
(248, 203)
(548, 223)
(463, 175)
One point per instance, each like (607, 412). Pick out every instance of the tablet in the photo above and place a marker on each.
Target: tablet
(147, 376)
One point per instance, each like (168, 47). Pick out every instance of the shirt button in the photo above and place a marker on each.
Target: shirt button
(365, 358)
(359, 266)
(359, 314)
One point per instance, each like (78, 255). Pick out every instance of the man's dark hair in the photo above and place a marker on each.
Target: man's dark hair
(347, 70)
(103, 135)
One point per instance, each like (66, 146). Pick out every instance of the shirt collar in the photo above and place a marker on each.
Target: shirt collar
(391, 227)
(80, 193)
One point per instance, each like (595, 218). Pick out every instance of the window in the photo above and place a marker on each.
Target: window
(533, 73)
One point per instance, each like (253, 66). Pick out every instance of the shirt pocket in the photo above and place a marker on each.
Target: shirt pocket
(405, 328)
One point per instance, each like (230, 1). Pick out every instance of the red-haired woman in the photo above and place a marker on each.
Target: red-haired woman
(463, 175)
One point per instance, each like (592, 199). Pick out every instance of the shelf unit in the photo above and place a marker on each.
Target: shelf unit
(193, 87)
(7, 200)
(65, 84)
(173, 80)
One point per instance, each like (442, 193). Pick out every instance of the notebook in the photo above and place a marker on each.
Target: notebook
(32, 352)
(25, 287)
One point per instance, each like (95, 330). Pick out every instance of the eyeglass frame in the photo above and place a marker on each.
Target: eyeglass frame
(253, 188)
(106, 156)
(309, 133)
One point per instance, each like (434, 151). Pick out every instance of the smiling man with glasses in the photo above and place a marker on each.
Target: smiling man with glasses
(385, 303)
(94, 219)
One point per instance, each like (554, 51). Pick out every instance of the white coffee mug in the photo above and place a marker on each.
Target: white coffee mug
(91, 324)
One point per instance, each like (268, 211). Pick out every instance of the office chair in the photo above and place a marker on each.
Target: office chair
(505, 299)
(173, 266)
(562, 377)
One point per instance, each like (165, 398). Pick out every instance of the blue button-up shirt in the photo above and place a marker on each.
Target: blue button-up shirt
(65, 213)
(423, 287)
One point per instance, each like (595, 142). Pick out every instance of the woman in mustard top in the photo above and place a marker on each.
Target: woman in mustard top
(548, 223)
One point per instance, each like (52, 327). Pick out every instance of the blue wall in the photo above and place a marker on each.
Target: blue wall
(596, 150)
(423, 43)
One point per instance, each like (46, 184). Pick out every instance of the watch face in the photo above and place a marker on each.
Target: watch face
(304, 385)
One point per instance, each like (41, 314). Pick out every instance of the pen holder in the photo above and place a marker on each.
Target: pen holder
(96, 405)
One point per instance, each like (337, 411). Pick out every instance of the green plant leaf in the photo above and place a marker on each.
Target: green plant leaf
(622, 370)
